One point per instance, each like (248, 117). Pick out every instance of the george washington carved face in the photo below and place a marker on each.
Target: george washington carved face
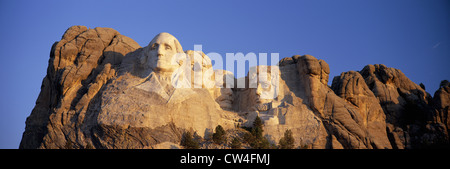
(161, 54)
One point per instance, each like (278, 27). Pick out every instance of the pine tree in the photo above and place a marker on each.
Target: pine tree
(257, 132)
(287, 141)
(258, 122)
(219, 135)
(235, 144)
(255, 138)
(264, 143)
(257, 129)
(259, 142)
(188, 142)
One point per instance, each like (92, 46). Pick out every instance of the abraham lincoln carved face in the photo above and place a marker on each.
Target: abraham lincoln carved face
(262, 91)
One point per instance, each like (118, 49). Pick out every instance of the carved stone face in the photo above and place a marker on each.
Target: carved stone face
(265, 92)
(161, 53)
(222, 95)
(225, 98)
(261, 96)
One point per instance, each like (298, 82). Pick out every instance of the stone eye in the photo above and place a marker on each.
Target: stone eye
(154, 46)
(168, 47)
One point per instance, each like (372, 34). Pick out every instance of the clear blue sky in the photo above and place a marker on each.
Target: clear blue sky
(411, 35)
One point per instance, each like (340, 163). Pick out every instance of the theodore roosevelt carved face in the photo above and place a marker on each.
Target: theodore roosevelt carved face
(161, 53)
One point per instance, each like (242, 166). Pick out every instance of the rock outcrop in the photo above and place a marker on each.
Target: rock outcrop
(79, 66)
(410, 117)
(103, 90)
(351, 87)
(441, 102)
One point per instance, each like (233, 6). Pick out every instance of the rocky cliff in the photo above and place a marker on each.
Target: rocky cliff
(98, 93)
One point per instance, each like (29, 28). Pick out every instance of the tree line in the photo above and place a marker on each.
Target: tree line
(254, 138)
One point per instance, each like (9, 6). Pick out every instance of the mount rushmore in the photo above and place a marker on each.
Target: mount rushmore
(103, 90)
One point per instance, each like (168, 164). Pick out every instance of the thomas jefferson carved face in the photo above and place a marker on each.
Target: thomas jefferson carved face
(161, 54)
(223, 95)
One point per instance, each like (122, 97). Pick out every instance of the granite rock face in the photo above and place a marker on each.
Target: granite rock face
(441, 102)
(352, 88)
(411, 120)
(79, 66)
(103, 90)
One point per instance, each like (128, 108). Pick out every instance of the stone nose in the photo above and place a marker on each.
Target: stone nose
(259, 89)
(160, 51)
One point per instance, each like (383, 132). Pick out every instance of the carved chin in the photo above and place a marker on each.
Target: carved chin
(224, 102)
